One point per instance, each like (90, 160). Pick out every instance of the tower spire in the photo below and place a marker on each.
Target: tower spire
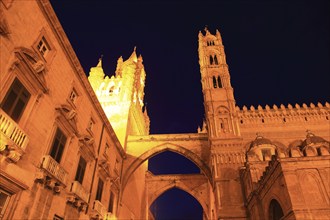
(99, 64)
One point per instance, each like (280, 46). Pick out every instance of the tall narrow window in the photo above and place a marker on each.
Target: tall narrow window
(275, 210)
(219, 82)
(111, 202)
(99, 190)
(4, 200)
(58, 145)
(73, 96)
(211, 60)
(214, 82)
(215, 60)
(15, 100)
(81, 170)
(43, 47)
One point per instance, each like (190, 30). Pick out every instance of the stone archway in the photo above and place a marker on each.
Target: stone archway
(194, 184)
(150, 152)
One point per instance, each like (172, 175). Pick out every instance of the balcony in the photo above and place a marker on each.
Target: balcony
(13, 139)
(109, 216)
(79, 191)
(54, 169)
(99, 208)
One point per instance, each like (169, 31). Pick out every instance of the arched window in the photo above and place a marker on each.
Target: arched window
(211, 60)
(219, 82)
(215, 60)
(275, 210)
(214, 82)
(208, 44)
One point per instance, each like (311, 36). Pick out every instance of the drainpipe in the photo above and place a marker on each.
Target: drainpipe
(96, 161)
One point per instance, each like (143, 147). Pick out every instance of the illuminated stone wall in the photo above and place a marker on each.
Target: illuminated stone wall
(255, 163)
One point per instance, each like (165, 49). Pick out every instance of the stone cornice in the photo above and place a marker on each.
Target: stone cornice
(59, 33)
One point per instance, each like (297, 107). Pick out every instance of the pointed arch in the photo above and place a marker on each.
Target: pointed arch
(275, 210)
(183, 187)
(219, 82)
(215, 60)
(162, 148)
(214, 82)
(211, 60)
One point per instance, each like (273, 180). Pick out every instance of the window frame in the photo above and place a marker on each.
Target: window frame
(6, 203)
(81, 170)
(13, 104)
(63, 147)
(43, 36)
(99, 190)
(111, 205)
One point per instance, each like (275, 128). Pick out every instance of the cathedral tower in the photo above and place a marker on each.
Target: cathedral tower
(218, 93)
(121, 96)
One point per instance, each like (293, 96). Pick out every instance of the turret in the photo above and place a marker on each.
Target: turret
(121, 96)
(218, 93)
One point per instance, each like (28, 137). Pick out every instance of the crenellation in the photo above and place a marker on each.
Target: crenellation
(283, 114)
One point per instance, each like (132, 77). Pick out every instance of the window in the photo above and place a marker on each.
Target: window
(81, 170)
(43, 47)
(4, 200)
(73, 96)
(56, 217)
(275, 210)
(211, 60)
(215, 60)
(99, 190)
(15, 100)
(111, 202)
(214, 82)
(219, 82)
(90, 125)
(58, 145)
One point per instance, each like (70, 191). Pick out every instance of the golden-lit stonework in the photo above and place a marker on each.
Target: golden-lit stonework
(77, 147)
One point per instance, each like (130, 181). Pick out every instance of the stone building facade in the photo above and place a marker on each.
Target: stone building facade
(77, 147)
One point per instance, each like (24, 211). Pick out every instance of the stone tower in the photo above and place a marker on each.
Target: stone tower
(227, 154)
(121, 96)
(218, 93)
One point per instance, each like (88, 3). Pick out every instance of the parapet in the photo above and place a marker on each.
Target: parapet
(283, 114)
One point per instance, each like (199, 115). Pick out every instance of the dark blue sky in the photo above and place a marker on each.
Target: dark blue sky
(277, 51)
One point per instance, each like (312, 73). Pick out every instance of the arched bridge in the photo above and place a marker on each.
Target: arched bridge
(192, 146)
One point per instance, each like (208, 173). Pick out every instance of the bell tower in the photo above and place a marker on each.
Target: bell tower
(219, 101)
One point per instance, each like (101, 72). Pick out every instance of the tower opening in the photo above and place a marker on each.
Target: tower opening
(169, 162)
(176, 204)
(275, 210)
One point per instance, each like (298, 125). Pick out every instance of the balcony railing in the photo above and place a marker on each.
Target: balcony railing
(12, 132)
(53, 168)
(99, 208)
(79, 191)
(109, 216)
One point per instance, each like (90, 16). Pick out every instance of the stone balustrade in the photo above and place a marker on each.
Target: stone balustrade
(99, 208)
(79, 191)
(109, 216)
(53, 168)
(13, 138)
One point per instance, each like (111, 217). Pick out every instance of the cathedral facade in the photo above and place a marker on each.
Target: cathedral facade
(77, 147)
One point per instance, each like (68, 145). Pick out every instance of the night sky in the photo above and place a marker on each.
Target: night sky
(278, 52)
